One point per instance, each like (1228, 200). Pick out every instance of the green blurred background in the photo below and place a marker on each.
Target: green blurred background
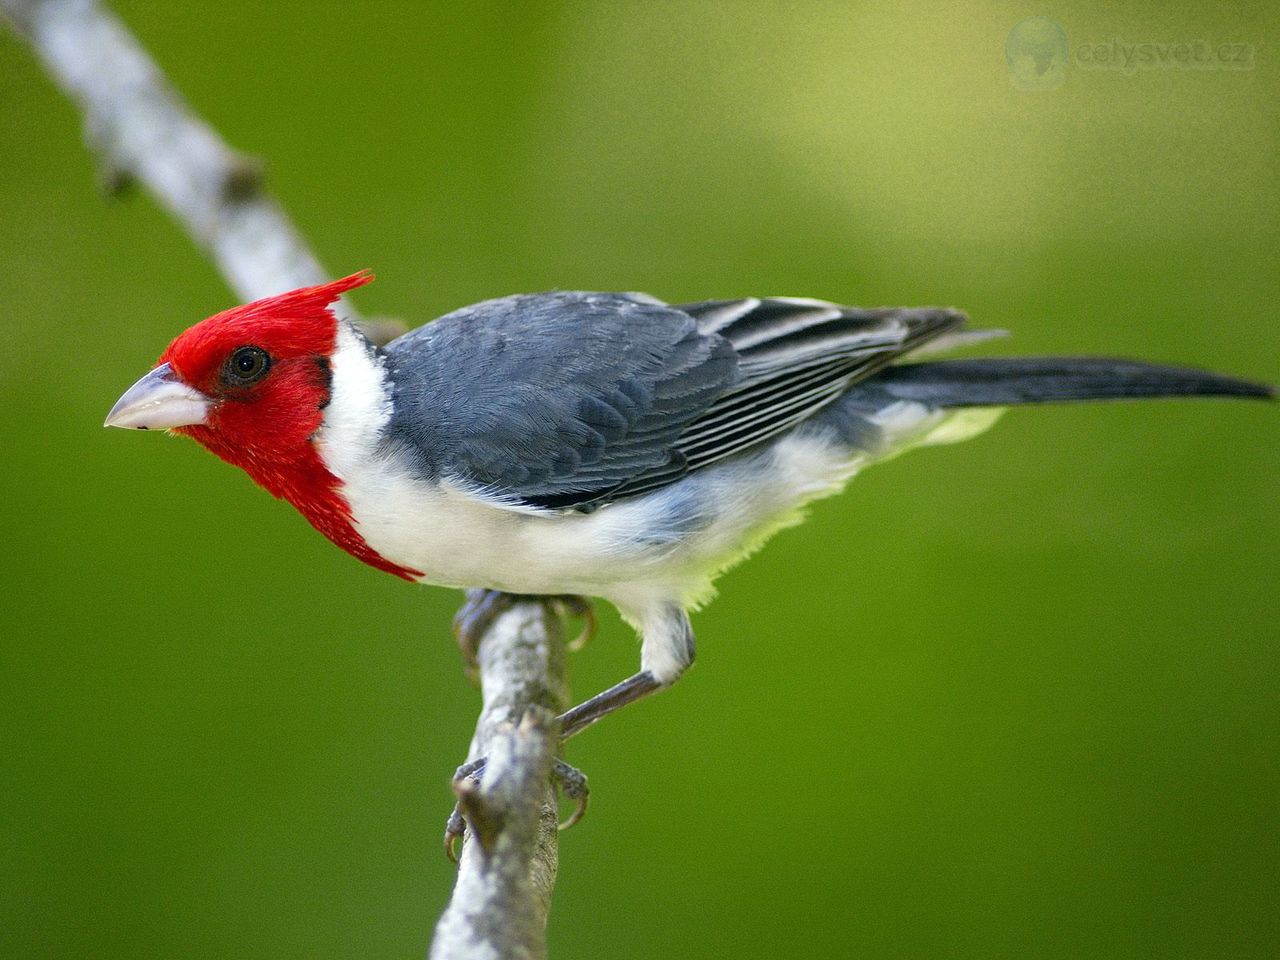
(1015, 698)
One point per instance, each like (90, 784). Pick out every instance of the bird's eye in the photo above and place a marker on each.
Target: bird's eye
(246, 366)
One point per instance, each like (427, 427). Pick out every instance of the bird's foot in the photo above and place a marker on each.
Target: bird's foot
(481, 607)
(569, 780)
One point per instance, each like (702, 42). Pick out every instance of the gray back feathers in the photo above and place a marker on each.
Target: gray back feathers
(577, 399)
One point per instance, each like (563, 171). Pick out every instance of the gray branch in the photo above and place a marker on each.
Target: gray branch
(511, 850)
(144, 131)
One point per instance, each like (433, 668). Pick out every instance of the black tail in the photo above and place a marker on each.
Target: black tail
(1017, 380)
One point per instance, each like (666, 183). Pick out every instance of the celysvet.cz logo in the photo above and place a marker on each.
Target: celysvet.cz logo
(1039, 55)
(1130, 56)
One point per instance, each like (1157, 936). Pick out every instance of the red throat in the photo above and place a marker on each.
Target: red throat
(306, 483)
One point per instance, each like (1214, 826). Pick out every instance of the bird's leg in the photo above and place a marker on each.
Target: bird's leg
(635, 687)
(668, 650)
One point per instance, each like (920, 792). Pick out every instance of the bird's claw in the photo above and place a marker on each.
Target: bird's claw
(480, 608)
(571, 782)
(570, 605)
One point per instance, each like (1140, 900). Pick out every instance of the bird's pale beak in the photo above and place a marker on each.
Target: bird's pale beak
(159, 401)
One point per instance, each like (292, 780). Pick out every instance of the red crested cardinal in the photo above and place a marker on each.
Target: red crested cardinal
(591, 444)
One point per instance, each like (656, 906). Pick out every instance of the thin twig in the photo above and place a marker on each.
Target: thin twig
(145, 132)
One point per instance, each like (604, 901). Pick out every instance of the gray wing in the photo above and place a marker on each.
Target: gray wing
(553, 399)
(578, 399)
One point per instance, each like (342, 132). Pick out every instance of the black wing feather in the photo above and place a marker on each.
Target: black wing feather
(817, 351)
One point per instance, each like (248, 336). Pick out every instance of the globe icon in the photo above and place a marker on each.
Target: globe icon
(1036, 51)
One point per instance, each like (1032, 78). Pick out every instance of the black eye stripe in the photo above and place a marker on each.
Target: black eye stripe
(246, 366)
(326, 372)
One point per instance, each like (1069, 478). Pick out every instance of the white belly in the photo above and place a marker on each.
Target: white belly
(672, 541)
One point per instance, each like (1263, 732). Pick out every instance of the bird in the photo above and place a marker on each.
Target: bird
(599, 445)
